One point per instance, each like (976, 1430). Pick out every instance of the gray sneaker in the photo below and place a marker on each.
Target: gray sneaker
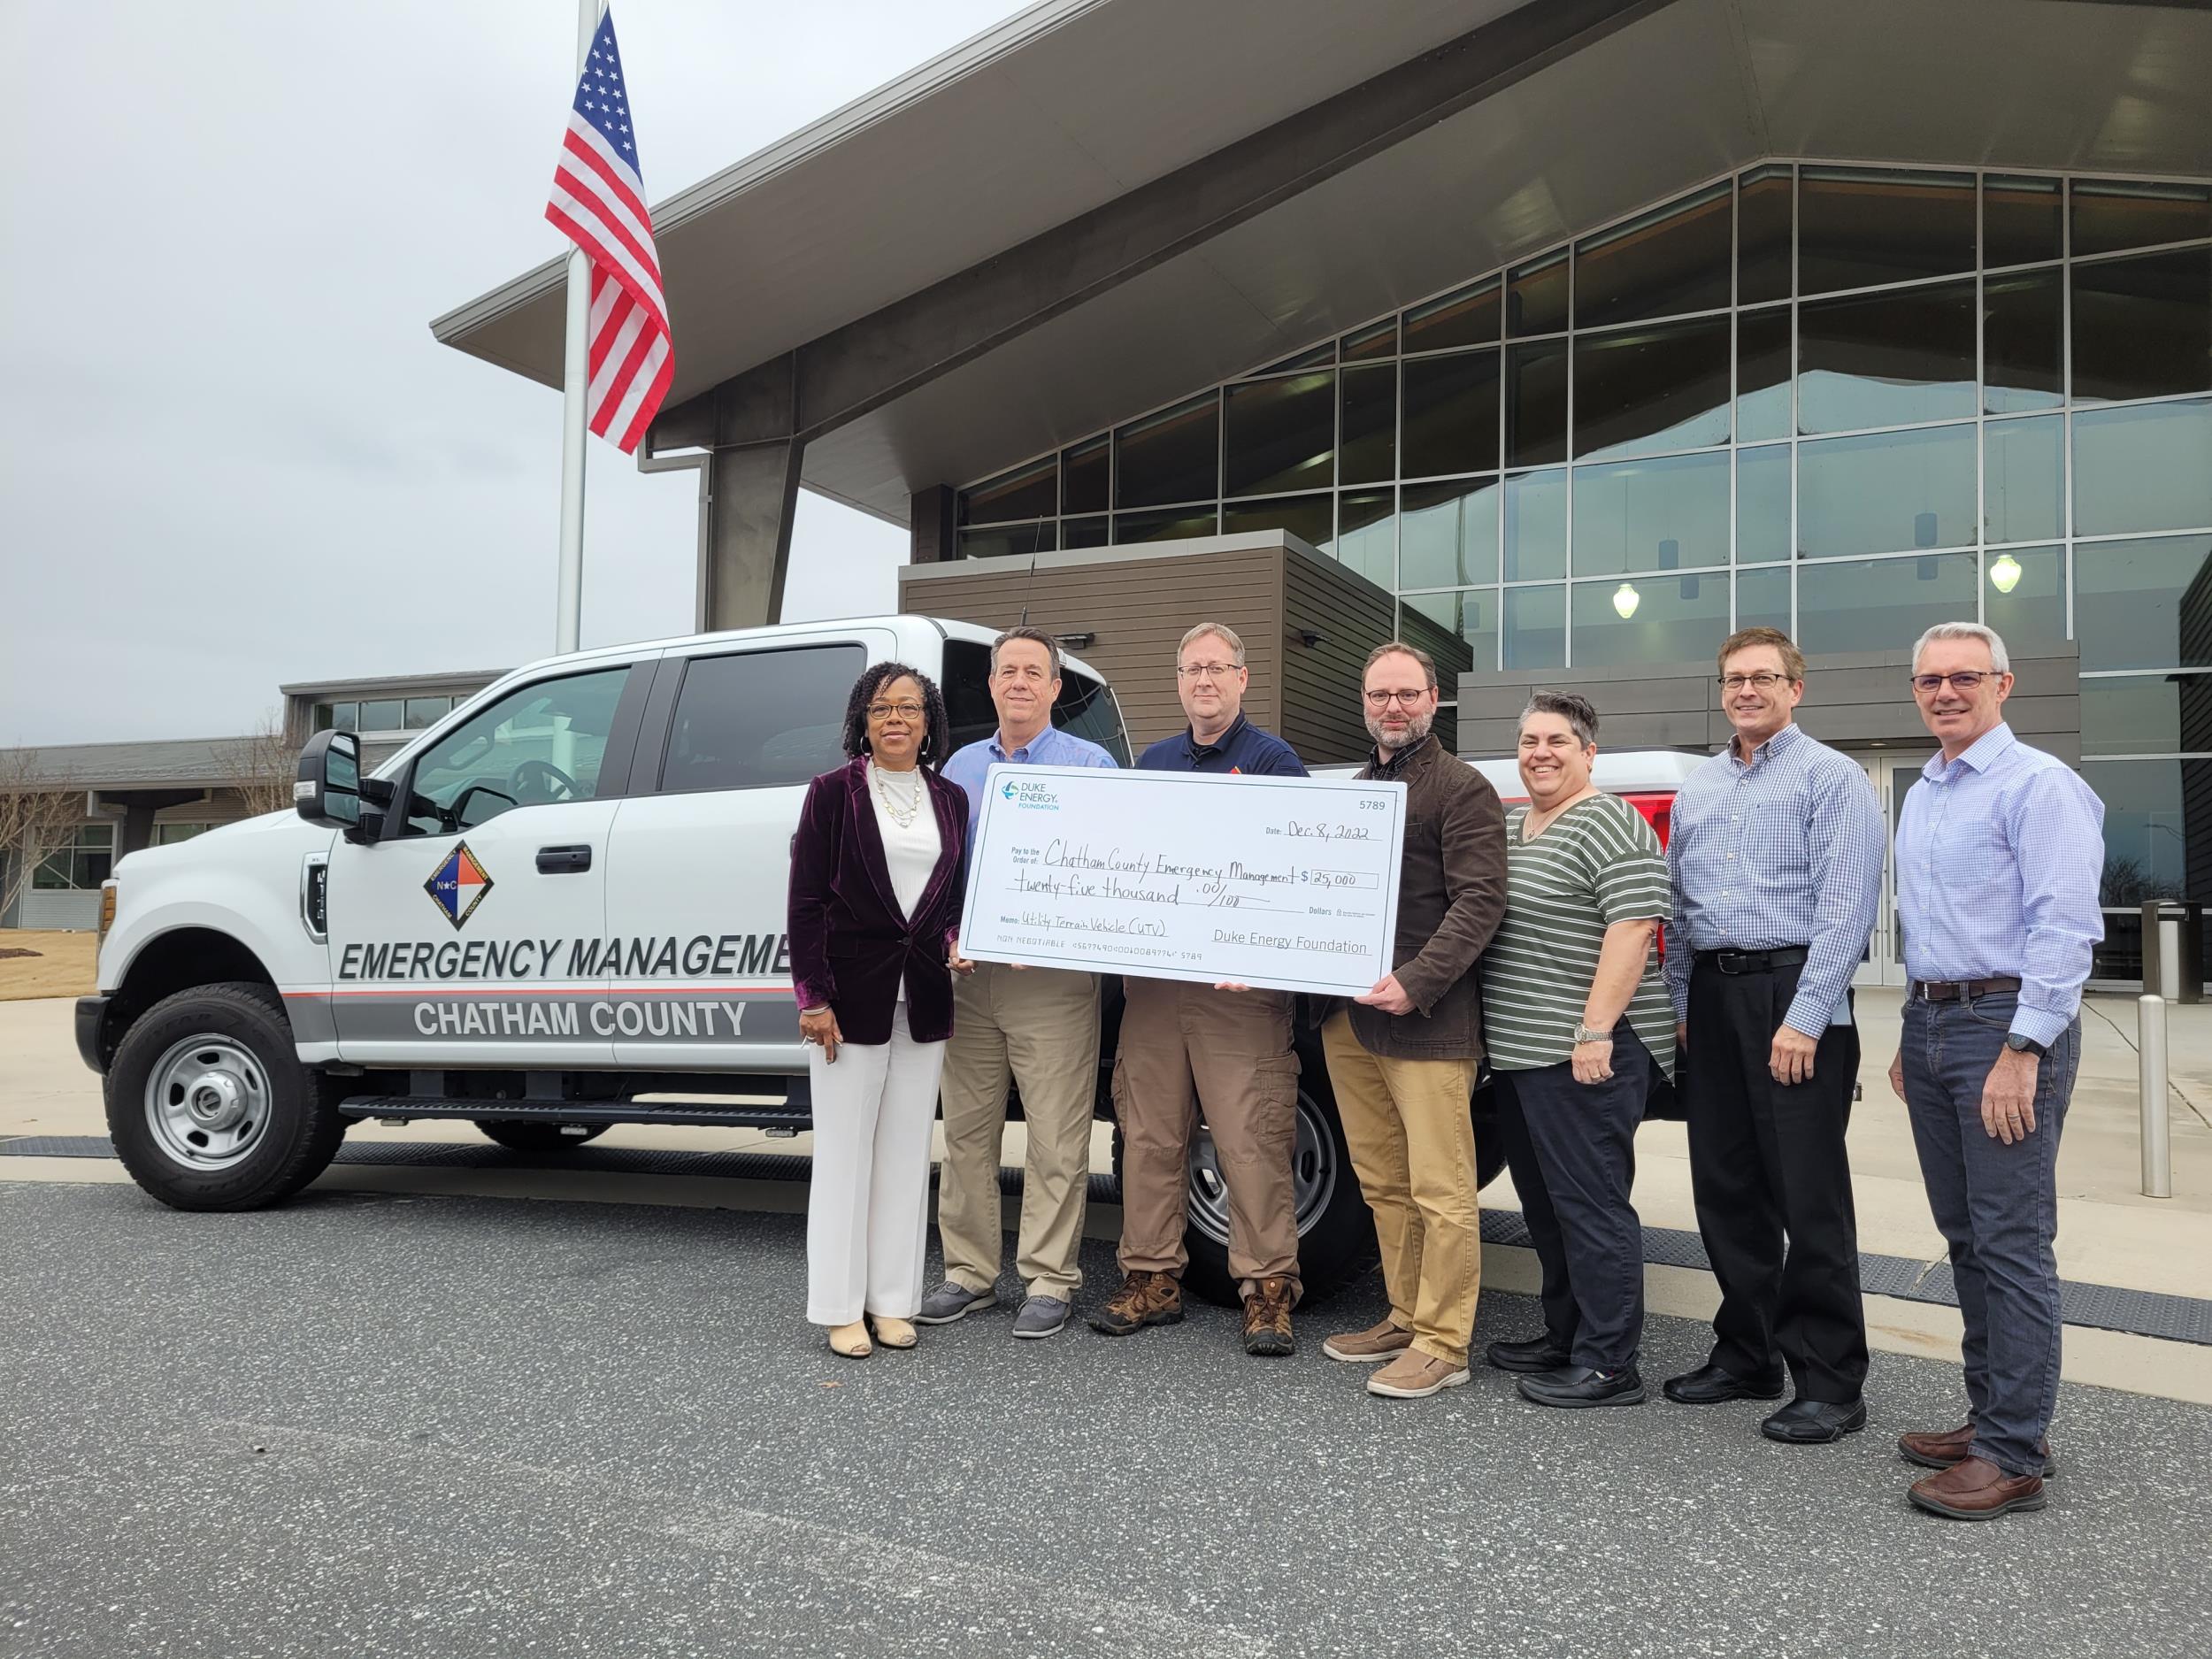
(1041, 1316)
(951, 1300)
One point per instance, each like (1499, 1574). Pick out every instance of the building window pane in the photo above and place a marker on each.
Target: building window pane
(1536, 297)
(1367, 536)
(2023, 483)
(1279, 434)
(1763, 504)
(1762, 374)
(1448, 534)
(1320, 357)
(1092, 532)
(345, 717)
(424, 712)
(1762, 599)
(1312, 518)
(1886, 492)
(1670, 260)
(2109, 216)
(1535, 628)
(2143, 327)
(1466, 317)
(1008, 540)
(1764, 248)
(81, 862)
(1027, 492)
(1885, 359)
(1669, 514)
(2157, 829)
(1376, 340)
(1451, 414)
(2143, 604)
(2148, 468)
(1173, 524)
(1639, 391)
(1470, 617)
(1086, 470)
(2023, 340)
(2023, 597)
(1858, 227)
(383, 714)
(1881, 605)
(1667, 619)
(1535, 526)
(171, 834)
(1536, 403)
(323, 718)
(1368, 447)
(1169, 457)
(2120, 957)
(2020, 220)
(2157, 714)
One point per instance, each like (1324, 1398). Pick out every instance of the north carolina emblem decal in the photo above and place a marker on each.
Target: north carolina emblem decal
(459, 886)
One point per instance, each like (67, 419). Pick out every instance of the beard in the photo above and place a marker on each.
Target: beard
(1417, 728)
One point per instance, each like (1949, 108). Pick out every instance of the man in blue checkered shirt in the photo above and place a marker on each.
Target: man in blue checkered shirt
(1776, 858)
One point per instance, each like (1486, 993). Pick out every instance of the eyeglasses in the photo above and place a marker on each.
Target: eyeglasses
(1208, 671)
(1928, 685)
(904, 711)
(1384, 699)
(1763, 682)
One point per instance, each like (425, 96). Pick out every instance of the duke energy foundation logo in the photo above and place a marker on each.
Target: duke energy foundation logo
(458, 886)
(1031, 797)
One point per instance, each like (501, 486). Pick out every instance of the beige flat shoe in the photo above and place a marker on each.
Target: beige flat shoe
(891, 1333)
(851, 1341)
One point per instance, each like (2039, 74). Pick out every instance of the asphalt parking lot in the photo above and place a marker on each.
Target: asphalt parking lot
(379, 1424)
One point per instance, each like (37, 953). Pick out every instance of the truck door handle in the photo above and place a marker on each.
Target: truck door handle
(562, 861)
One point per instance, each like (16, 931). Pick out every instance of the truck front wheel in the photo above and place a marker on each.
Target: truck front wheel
(208, 1107)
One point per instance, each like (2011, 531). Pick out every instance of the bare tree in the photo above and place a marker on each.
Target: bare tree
(264, 766)
(34, 818)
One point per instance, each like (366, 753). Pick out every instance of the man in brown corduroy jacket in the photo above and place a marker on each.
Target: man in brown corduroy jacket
(1402, 1057)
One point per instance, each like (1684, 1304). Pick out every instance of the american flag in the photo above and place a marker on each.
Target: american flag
(599, 204)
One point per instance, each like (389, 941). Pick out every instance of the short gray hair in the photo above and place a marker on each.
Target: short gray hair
(1581, 716)
(1220, 630)
(1998, 659)
(1035, 636)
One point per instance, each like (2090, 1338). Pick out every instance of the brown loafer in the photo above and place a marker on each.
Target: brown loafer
(1414, 1375)
(1377, 1342)
(1974, 1490)
(1940, 1451)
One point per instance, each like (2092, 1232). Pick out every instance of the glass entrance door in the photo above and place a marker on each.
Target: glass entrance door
(1884, 963)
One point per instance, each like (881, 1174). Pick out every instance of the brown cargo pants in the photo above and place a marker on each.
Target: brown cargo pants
(1188, 1048)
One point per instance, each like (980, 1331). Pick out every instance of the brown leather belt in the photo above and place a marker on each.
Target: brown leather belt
(1960, 990)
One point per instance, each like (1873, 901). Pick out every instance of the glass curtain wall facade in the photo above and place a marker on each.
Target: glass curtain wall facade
(1848, 402)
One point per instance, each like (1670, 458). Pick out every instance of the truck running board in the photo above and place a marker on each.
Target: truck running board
(795, 1112)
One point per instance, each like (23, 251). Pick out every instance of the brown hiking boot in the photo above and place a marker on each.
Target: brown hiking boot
(1145, 1298)
(1364, 1348)
(1267, 1319)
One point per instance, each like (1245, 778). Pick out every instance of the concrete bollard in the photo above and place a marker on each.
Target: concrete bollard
(2158, 1153)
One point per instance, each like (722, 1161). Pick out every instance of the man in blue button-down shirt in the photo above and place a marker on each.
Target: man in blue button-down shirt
(2000, 856)
(1776, 855)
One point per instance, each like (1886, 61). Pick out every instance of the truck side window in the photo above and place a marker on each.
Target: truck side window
(1086, 707)
(538, 744)
(756, 719)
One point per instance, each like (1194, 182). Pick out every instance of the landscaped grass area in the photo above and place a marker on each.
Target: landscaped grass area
(60, 964)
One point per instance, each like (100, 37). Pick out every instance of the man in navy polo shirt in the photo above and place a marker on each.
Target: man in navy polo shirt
(1222, 1049)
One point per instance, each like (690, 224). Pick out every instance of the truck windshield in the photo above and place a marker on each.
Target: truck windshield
(1085, 706)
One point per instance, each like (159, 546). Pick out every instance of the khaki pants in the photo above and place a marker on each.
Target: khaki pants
(1413, 1145)
(1038, 1027)
(1188, 1047)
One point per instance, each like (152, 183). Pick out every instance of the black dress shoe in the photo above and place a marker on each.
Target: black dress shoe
(1539, 1353)
(1709, 1385)
(1579, 1386)
(1814, 1422)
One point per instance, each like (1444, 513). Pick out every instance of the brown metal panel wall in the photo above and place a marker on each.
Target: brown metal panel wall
(1352, 615)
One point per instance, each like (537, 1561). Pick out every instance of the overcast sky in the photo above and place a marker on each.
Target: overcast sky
(231, 456)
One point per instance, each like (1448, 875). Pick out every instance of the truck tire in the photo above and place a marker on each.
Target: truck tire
(208, 1107)
(518, 1136)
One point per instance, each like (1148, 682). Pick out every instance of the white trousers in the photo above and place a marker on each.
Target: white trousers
(867, 1216)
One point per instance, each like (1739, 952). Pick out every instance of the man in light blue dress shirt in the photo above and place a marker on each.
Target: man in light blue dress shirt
(2000, 856)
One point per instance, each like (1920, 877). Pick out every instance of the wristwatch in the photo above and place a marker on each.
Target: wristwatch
(1584, 1033)
(2020, 1042)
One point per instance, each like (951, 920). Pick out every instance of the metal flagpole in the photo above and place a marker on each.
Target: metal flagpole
(575, 377)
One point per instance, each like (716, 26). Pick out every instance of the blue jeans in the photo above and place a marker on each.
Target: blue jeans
(1997, 1206)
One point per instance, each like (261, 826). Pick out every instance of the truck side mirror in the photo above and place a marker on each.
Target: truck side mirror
(328, 789)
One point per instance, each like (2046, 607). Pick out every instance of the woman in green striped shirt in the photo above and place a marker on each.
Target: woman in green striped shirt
(1577, 1021)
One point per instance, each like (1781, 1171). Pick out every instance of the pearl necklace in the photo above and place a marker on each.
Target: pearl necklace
(904, 812)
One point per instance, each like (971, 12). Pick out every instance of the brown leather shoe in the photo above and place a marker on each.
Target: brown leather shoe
(1940, 1451)
(1382, 1341)
(1416, 1376)
(1145, 1298)
(1974, 1490)
(1267, 1319)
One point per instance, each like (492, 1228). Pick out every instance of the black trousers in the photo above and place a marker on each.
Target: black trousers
(1571, 1148)
(1773, 1186)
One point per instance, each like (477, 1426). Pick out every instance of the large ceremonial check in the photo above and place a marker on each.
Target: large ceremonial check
(1289, 883)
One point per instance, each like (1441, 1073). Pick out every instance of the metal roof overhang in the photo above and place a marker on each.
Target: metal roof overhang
(962, 170)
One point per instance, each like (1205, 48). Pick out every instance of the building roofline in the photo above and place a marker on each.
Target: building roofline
(475, 679)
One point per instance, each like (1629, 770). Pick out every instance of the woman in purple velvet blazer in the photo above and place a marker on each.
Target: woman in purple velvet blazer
(877, 873)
